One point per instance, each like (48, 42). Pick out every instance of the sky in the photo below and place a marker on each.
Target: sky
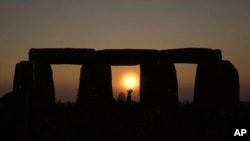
(119, 24)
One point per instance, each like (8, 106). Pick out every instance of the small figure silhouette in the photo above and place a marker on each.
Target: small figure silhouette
(129, 96)
(121, 98)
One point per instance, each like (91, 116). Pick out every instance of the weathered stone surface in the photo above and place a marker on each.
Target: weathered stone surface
(190, 55)
(95, 85)
(62, 55)
(44, 85)
(127, 56)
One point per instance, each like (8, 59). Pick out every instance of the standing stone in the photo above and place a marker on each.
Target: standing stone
(26, 75)
(104, 83)
(44, 103)
(95, 99)
(216, 97)
(16, 82)
(216, 86)
(23, 88)
(44, 86)
(230, 86)
(168, 89)
(86, 86)
(149, 84)
(159, 96)
(158, 85)
(23, 77)
(205, 89)
(149, 97)
(95, 85)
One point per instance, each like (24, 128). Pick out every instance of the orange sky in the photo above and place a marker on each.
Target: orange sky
(140, 24)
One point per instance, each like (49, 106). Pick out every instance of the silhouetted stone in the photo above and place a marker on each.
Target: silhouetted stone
(62, 55)
(190, 55)
(43, 104)
(18, 103)
(95, 85)
(159, 96)
(16, 82)
(44, 86)
(168, 90)
(127, 56)
(26, 75)
(230, 85)
(23, 77)
(158, 82)
(104, 83)
(216, 86)
(28, 114)
(149, 84)
(216, 95)
(86, 87)
(26, 90)
(123, 56)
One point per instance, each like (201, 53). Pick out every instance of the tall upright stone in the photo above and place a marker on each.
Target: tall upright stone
(216, 86)
(44, 85)
(168, 89)
(23, 77)
(149, 84)
(26, 75)
(159, 96)
(158, 84)
(16, 81)
(22, 100)
(86, 87)
(216, 97)
(216, 92)
(95, 85)
(104, 83)
(230, 86)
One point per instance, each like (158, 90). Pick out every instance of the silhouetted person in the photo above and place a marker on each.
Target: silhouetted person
(121, 98)
(129, 96)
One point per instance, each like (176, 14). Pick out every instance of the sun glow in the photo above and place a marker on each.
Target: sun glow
(125, 78)
(130, 81)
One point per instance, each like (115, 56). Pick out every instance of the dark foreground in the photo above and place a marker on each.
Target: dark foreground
(121, 122)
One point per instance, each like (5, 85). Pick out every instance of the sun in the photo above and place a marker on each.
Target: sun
(130, 81)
